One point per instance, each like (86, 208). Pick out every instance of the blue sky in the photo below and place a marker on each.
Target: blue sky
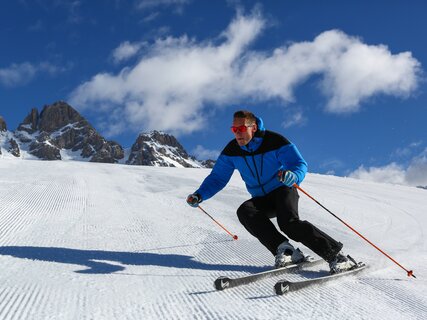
(344, 80)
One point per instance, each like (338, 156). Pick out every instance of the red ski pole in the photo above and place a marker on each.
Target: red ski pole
(232, 235)
(409, 272)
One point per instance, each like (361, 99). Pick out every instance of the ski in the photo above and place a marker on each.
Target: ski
(223, 283)
(285, 286)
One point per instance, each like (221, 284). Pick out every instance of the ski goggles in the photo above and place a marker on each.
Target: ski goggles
(242, 128)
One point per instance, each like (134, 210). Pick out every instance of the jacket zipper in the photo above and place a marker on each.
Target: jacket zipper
(250, 169)
(257, 175)
(262, 162)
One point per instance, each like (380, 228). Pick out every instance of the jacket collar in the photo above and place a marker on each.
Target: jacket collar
(253, 145)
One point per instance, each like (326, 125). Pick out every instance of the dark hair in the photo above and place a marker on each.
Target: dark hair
(244, 114)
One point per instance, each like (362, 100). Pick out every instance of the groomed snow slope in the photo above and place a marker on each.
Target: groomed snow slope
(98, 241)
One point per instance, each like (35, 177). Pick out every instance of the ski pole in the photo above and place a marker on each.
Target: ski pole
(409, 272)
(232, 235)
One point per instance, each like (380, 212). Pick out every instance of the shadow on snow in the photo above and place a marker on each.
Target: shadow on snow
(96, 261)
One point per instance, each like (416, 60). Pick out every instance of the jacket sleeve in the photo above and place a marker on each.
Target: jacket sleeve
(218, 178)
(292, 160)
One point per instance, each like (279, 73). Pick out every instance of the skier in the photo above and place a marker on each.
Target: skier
(270, 164)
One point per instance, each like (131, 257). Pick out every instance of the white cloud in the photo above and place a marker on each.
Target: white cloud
(205, 154)
(352, 71)
(17, 74)
(151, 17)
(23, 73)
(177, 77)
(51, 69)
(126, 50)
(407, 151)
(392, 173)
(167, 88)
(294, 118)
(362, 71)
(414, 175)
(331, 165)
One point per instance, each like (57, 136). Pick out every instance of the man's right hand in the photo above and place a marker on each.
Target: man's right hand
(194, 199)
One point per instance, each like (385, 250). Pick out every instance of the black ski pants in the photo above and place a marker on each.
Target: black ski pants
(255, 215)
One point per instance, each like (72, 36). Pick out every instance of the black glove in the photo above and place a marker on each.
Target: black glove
(194, 199)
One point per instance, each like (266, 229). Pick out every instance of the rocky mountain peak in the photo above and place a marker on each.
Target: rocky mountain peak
(7, 141)
(163, 138)
(30, 122)
(58, 115)
(59, 132)
(3, 126)
(158, 148)
(60, 128)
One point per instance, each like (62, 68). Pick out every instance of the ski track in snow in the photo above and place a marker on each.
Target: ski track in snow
(98, 241)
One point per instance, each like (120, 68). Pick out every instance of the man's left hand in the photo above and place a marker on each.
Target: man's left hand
(288, 178)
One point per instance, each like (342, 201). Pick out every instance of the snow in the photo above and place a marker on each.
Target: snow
(24, 147)
(171, 153)
(85, 240)
(70, 155)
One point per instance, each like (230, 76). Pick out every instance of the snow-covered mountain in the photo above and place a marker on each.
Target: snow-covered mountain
(85, 240)
(161, 150)
(7, 142)
(59, 132)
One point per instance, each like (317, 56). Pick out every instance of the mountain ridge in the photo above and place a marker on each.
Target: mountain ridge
(59, 132)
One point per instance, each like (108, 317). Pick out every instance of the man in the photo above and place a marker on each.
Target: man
(270, 165)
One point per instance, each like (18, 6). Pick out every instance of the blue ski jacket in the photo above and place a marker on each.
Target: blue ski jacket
(258, 164)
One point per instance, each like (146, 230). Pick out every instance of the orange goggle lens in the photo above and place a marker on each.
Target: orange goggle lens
(239, 128)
